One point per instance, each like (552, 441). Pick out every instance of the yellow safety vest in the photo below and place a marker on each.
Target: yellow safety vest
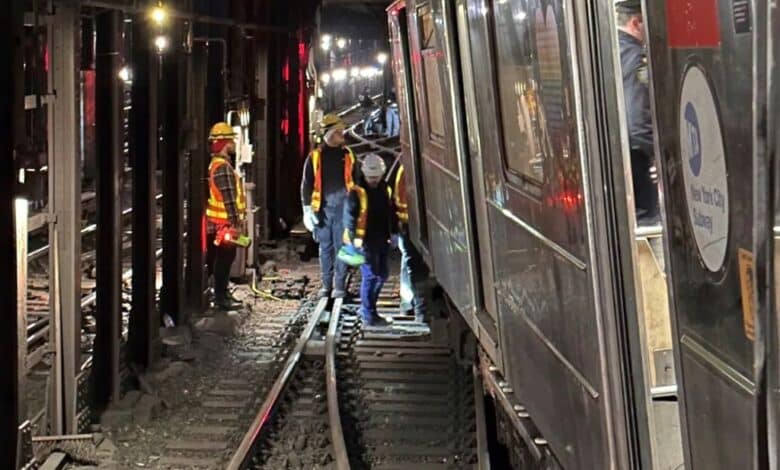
(215, 208)
(362, 220)
(399, 196)
(316, 162)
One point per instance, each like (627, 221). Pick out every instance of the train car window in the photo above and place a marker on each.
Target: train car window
(430, 53)
(530, 85)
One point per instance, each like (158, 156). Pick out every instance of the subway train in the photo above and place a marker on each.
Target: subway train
(601, 344)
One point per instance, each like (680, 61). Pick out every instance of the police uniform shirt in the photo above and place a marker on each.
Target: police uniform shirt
(636, 92)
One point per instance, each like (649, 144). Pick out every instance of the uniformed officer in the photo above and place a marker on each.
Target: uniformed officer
(327, 177)
(633, 61)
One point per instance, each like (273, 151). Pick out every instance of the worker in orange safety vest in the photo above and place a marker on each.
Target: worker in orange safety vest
(225, 212)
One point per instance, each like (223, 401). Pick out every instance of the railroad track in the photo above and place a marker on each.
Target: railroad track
(354, 397)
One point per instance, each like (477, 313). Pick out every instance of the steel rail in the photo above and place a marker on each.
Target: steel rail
(334, 415)
(364, 141)
(37, 253)
(242, 456)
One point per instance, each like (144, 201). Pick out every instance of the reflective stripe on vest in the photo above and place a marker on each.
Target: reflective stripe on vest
(316, 162)
(362, 220)
(399, 193)
(215, 207)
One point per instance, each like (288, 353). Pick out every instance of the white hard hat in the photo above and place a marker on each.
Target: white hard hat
(373, 166)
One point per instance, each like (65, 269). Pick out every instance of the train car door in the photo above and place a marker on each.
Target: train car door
(702, 62)
(772, 309)
(399, 46)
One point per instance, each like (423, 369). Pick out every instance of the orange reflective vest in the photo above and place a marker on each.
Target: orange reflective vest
(362, 219)
(399, 196)
(316, 162)
(215, 207)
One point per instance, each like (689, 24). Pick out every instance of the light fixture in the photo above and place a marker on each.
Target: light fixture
(325, 78)
(159, 15)
(341, 42)
(125, 75)
(326, 38)
(339, 75)
(161, 43)
(368, 72)
(355, 72)
(381, 58)
(325, 46)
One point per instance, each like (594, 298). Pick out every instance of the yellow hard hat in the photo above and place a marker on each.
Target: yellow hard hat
(331, 121)
(221, 131)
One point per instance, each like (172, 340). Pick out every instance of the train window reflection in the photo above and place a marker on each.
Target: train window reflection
(430, 53)
(531, 85)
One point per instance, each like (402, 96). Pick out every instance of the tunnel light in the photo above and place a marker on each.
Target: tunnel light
(325, 78)
(325, 46)
(339, 75)
(326, 38)
(520, 16)
(125, 74)
(341, 43)
(159, 15)
(355, 72)
(369, 72)
(161, 43)
(381, 58)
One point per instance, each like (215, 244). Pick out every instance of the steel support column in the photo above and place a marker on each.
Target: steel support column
(65, 196)
(144, 319)
(196, 243)
(11, 115)
(173, 77)
(109, 233)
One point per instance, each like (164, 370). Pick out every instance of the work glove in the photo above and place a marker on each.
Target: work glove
(310, 219)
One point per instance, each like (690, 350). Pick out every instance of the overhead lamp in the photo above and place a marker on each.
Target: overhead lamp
(161, 43)
(339, 75)
(159, 15)
(341, 42)
(325, 78)
(381, 58)
(125, 75)
(355, 72)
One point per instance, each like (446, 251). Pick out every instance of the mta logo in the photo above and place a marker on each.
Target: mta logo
(692, 139)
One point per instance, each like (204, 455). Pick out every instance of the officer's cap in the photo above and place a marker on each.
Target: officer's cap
(628, 6)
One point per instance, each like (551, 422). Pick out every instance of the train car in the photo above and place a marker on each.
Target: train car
(521, 200)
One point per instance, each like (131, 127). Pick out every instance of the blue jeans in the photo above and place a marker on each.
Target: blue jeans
(412, 272)
(393, 122)
(374, 273)
(329, 235)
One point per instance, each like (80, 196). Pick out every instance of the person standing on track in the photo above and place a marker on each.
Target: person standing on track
(369, 221)
(413, 269)
(225, 212)
(327, 177)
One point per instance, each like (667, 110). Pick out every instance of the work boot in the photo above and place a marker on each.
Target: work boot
(339, 293)
(323, 293)
(379, 322)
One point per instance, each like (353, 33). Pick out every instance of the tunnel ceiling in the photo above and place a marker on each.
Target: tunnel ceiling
(357, 19)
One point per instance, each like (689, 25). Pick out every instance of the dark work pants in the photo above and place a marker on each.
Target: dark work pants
(329, 235)
(645, 191)
(373, 276)
(219, 260)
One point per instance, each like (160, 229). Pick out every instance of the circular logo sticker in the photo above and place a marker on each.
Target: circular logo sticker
(704, 168)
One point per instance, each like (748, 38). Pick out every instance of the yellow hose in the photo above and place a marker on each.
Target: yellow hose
(261, 293)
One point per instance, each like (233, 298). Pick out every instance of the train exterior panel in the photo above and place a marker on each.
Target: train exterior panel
(705, 106)
(530, 160)
(439, 159)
